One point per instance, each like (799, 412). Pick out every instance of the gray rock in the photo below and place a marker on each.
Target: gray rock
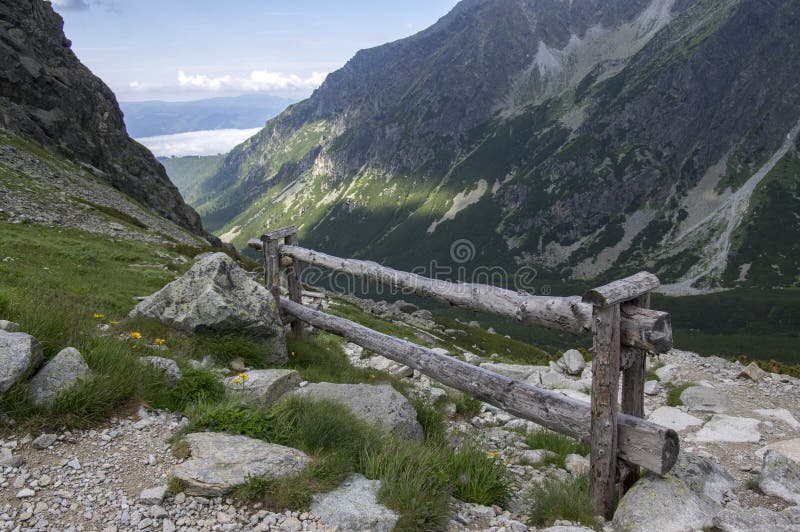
(264, 386)
(354, 506)
(753, 372)
(221, 462)
(20, 354)
(216, 295)
(9, 326)
(43, 441)
(792, 514)
(472, 358)
(152, 496)
(673, 418)
(652, 387)
(722, 428)
(65, 370)
(572, 362)
(535, 456)
(687, 498)
(9, 459)
(514, 371)
(169, 366)
(667, 373)
(705, 399)
(780, 477)
(381, 406)
(788, 448)
(737, 519)
(576, 464)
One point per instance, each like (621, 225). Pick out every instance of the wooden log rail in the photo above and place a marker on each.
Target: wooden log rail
(618, 316)
(641, 328)
(640, 442)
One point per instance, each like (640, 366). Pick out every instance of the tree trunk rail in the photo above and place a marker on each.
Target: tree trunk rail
(617, 315)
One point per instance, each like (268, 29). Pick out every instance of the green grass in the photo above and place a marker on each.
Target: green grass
(557, 443)
(674, 393)
(113, 213)
(466, 406)
(553, 500)
(416, 478)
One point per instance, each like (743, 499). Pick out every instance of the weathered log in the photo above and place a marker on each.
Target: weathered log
(633, 379)
(649, 330)
(283, 232)
(603, 439)
(272, 274)
(293, 285)
(640, 442)
(622, 290)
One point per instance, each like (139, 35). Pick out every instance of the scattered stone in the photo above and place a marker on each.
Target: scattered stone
(724, 428)
(43, 441)
(217, 295)
(153, 495)
(780, 414)
(576, 464)
(237, 365)
(667, 373)
(738, 519)
(673, 418)
(264, 386)
(652, 388)
(354, 506)
(74, 464)
(780, 477)
(169, 366)
(788, 448)
(25, 493)
(472, 358)
(514, 371)
(65, 370)
(221, 462)
(8, 458)
(687, 498)
(380, 405)
(572, 362)
(753, 372)
(9, 326)
(705, 399)
(20, 354)
(535, 456)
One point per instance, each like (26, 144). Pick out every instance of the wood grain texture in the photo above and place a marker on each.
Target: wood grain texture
(650, 330)
(293, 285)
(603, 439)
(622, 290)
(641, 442)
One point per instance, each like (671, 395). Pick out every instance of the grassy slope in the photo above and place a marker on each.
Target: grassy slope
(189, 173)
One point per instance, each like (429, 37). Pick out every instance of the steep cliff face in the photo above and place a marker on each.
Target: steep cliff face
(584, 138)
(48, 97)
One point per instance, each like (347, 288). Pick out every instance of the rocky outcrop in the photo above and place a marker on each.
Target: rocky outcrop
(20, 354)
(65, 370)
(381, 406)
(354, 506)
(48, 97)
(221, 462)
(217, 296)
(780, 477)
(263, 386)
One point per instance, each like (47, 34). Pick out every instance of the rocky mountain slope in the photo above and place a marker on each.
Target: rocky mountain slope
(49, 100)
(584, 139)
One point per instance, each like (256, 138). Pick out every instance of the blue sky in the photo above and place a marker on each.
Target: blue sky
(191, 49)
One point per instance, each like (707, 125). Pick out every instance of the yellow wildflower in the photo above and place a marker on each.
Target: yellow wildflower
(371, 375)
(237, 380)
(493, 454)
(99, 316)
(113, 322)
(136, 335)
(160, 341)
(243, 376)
(293, 353)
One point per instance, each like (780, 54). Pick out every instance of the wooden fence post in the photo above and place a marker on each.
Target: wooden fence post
(605, 382)
(634, 374)
(295, 287)
(272, 279)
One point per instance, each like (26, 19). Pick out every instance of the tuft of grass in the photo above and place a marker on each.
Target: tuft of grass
(466, 406)
(175, 486)
(431, 418)
(674, 393)
(752, 484)
(569, 500)
(479, 479)
(557, 443)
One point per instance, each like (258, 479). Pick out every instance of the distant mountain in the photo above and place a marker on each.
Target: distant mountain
(151, 118)
(60, 124)
(585, 139)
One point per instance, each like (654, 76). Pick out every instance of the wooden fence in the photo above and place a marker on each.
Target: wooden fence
(617, 315)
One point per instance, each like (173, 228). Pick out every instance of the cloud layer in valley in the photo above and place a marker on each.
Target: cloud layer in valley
(197, 142)
(258, 81)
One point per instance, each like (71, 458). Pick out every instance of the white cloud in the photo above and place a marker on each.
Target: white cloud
(197, 142)
(258, 81)
(71, 5)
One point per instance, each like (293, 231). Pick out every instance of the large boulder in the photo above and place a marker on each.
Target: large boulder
(216, 295)
(378, 405)
(687, 498)
(788, 448)
(62, 372)
(264, 386)
(737, 519)
(354, 506)
(729, 429)
(705, 399)
(20, 354)
(572, 362)
(780, 477)
(221, 462)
